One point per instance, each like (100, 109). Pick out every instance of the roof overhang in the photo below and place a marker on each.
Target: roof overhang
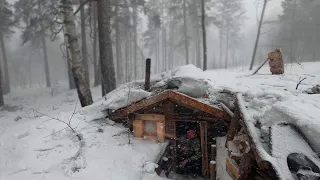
(176, 97)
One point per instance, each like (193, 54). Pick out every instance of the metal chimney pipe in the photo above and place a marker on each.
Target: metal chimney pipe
(148, 71)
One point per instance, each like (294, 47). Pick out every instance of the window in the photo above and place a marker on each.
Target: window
(150, 128)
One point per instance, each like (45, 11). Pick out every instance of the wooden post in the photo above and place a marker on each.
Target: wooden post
(148, 71)
(213, 152)
(161, 133)
(204, 148)
(213, 173)
(138, 128)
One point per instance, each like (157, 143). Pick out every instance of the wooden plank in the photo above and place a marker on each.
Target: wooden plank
(168, 109)
(161, 133)
(151, 117)
(195, 104)
(204, 148)
(232, 169)
(138, 128)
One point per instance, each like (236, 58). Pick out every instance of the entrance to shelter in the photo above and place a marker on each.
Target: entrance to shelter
(190, 148)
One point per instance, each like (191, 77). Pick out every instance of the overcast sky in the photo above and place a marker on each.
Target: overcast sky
(273, 9)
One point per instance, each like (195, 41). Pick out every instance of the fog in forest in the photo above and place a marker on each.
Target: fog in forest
(170, 32)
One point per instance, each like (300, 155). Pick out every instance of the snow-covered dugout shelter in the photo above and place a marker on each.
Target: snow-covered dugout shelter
(166, 116)
(234, 143)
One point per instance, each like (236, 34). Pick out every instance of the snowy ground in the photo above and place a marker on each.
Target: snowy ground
(32, 145)
(28, 151)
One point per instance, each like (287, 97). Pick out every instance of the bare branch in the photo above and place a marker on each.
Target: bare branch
(74, 111)
(300, 82)
(59, 120)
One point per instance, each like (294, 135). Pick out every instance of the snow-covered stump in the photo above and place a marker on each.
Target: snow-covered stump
(213, 172)
(276, 62)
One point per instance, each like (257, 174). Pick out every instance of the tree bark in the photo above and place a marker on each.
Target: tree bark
(105, 45)
(44, 48)
(185, 30)
(84, 49)
(97, 74)
(118, 47)
(72, 84)
(1, 93)
(6, 83)
(135, 38)
(258, 35)
(292, 30)
(78, 71)
(197, 34)
(204, 35)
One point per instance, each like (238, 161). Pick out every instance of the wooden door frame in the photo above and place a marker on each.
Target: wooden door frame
(204, 141)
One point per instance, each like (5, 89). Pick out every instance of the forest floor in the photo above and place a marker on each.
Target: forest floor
(33, 145)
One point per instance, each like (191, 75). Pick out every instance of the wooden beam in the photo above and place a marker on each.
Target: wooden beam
(145, 103)
(189, 102)
(150, 117)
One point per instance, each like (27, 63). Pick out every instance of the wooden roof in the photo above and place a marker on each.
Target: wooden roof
(176, 97)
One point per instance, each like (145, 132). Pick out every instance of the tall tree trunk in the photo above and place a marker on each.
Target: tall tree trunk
(164, 49)
(204, 35)
(227, 49)
(72, 84)
(29, 70)
(78, 71)
(185, 31)
(135, 38)
(118, 47)
(258, 35)
(84, 49)
(6, 83)
(221, 47)
(292, 31)
(197, 33)
(97, 74)
(105, 45)
(44, 48)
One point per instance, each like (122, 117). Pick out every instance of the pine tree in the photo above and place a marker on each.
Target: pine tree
(7, 23)
(39, 18)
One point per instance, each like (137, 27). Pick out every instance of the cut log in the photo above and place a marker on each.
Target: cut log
(247, 167)
(213, 170)
(234, 126)
(276, 62)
